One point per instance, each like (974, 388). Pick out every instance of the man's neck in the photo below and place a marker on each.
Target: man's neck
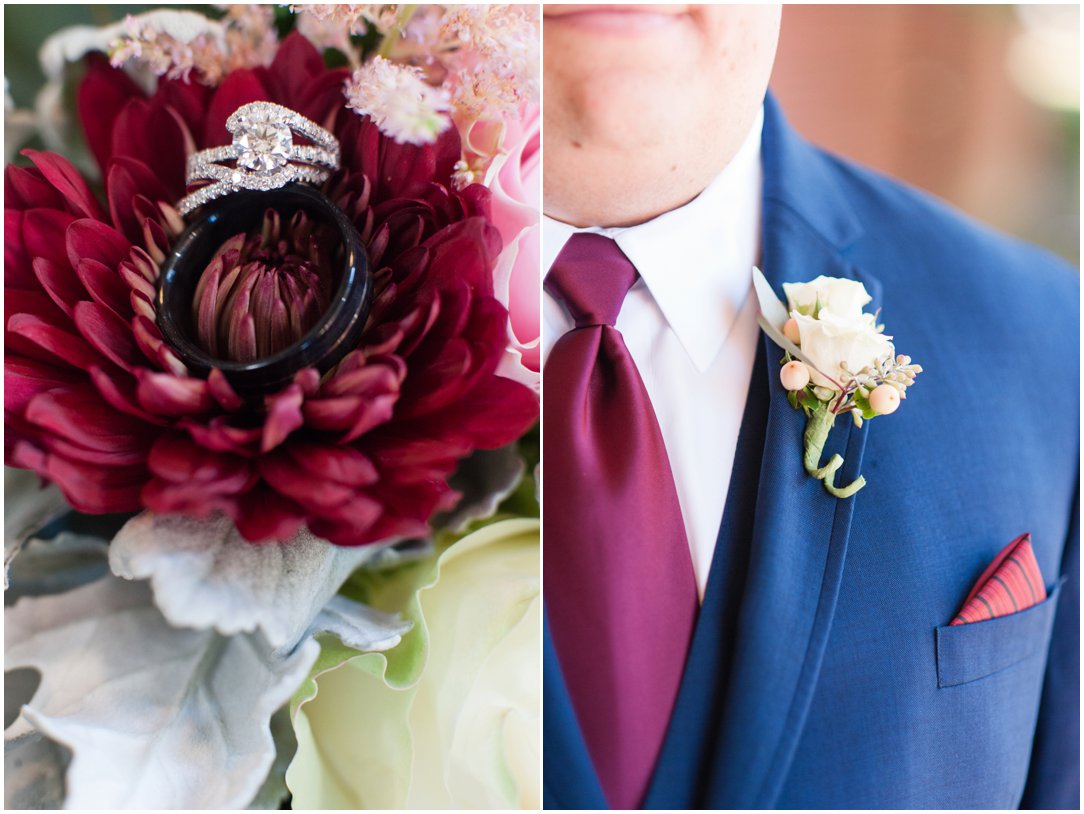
(588, 185)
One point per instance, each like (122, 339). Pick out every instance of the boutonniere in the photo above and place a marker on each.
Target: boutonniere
(836, 360)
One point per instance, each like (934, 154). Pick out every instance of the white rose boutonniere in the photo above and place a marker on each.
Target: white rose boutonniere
(837, 359)
(845, 298)
(836, 344)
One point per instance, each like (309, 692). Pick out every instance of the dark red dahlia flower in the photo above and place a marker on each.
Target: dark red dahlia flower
(97, 401)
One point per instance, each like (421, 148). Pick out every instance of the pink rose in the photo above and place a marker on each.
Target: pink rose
(514, 178)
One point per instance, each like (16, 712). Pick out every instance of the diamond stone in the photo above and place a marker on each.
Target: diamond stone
(263, 146)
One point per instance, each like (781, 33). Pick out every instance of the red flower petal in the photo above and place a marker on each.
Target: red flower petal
(120, 392)
(18, 272)
(113, 457)
(101, 96)
(109, 334)
(80, 416)
(222, 392)
(168, 395)
(495, 413)
(93, 488)
(176, 459)
(188, 100)
(283, 417)
(60, 283)
(93, 240)
(220, 436)
(150, 341)
(59, 172)
(157, 137)
(296, 64)
(366, 380)
(263, 515)
(127, 180)
(105, 287)
(26, 188)
(26, 378)
(192, 499)
(340, 464)
(43, 233)
(35, 303)
(54, 343)
(315, 494)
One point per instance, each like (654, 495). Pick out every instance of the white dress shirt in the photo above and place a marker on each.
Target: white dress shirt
(690, 325)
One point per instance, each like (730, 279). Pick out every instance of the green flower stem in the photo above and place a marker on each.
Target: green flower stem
(816, 433)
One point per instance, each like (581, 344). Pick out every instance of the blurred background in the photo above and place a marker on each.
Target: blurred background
(978, 104)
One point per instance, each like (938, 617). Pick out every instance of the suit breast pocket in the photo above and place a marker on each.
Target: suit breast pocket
(966, 653)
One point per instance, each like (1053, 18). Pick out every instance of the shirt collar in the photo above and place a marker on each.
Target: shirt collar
(695, 260)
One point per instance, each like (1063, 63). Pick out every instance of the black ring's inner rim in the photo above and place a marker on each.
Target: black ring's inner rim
(337, 330)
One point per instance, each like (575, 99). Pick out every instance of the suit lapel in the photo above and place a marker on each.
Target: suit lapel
(796, 559)
(799, 543)
(736, 752)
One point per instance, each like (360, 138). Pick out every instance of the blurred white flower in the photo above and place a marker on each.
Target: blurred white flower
(176, 44)
(465, 731)
(1044, 57)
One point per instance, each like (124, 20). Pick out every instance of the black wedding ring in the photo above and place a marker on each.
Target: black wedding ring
(330, 339)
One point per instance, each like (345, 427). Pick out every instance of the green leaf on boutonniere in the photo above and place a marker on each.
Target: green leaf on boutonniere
(862, 403)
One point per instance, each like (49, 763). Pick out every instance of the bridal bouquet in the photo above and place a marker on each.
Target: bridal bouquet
(271, 369)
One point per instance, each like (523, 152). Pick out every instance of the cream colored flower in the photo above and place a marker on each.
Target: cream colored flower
(465, 732)
(833, 341)
(845, 298)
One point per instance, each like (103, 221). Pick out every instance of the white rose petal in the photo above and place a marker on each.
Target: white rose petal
(831, 341)
(465, 732)
(842, 297)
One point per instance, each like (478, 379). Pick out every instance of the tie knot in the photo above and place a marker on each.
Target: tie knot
(591, 276)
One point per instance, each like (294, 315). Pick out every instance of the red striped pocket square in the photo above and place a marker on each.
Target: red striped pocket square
(1010, 583)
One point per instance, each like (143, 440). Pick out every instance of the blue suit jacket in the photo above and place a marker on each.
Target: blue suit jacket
(822, 672)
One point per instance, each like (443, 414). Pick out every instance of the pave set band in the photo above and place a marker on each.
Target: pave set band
(263, 155)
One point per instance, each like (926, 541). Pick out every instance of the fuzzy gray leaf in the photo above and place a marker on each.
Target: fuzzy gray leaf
(155, 716)
(205, 575)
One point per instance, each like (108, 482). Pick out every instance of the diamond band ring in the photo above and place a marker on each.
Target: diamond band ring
(263, 154)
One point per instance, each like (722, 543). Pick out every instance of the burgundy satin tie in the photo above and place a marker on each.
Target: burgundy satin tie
(619, 586)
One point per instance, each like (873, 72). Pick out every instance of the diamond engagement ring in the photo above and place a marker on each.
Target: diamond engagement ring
(263, 153)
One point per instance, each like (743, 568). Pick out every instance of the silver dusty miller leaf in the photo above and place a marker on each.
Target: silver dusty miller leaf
(204, 575)
(154, 716)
